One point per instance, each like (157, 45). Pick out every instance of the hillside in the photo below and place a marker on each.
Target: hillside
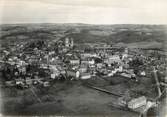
(84, 33)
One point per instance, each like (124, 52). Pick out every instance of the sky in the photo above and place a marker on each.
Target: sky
(84, 11)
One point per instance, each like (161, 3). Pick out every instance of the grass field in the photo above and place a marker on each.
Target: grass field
(68, 98)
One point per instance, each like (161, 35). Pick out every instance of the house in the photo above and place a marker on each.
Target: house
(52, 52)
(119, 69)
(74, 61)
(44, 66)
(88, 61)
(143, 73)
(114, 71)
(73, 73)
(91, 62)
(124, 55)
(64, 50)
(85, 75)
(53, 76)
(99, 65)
(46, 84)
(19, 81)
(83, 69)
(128, 75)
(114, 58)
(137, 102)
(54, 70)
(86, 55)
(62, 72)
(125, 75)
(110, 74)
(29, 81)
(22, 69)
(85, 62)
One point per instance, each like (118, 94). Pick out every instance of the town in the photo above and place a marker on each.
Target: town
(134, 78)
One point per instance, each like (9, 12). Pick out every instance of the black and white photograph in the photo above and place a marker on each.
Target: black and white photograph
(83, 58)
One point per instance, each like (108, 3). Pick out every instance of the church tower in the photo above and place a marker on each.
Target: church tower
(72, 43)
(67, 42)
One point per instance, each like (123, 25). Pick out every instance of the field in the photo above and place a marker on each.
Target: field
(69, 98)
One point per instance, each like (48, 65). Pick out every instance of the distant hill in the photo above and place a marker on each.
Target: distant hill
(85, 33)
(125, 36)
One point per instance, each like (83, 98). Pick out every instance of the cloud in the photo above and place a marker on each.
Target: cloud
(84, 11)
(108, 3)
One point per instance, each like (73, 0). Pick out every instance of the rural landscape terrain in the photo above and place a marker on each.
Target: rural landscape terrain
(133, 35)
(83, 69)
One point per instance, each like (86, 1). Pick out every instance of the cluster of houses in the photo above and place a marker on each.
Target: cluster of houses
(41, 63)
(64, 61)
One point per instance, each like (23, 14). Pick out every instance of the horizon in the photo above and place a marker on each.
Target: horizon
(78, 24)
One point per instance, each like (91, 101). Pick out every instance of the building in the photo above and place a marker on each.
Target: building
(137, 102)
(85, 75)
(88, 55)
(69, 42)
(99, 65)
(112, 59)
(83, 69)
(73, 73)
(91, 61)
(29, 81)
(74, 61)
(114, 71)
